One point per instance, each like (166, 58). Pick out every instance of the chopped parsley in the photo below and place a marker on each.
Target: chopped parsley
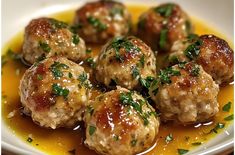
(58, 24)
(39, 77)
(83, 78)
(56, 69)
(116, 137)
(142, 61)
(59, 91)
(135, 72)
(182, 151)
(165, 10)
(229, 118)
(44, 46)
(196, 143)
(163, 38)
(88, 50)
(165, 75)
(90, 109)
(97, 23)
(227, 107)
(146, 82)
(90, 61)
(169, 138)
(70, 75)
(218, 126)
(75, 39)
(92, 130)
(127, 100)
(193, 50)
(75, 28)
(30, 140)
(133, 142)
(195, 70)
(120, 42)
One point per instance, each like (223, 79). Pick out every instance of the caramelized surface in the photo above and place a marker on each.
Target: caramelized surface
(67, 141)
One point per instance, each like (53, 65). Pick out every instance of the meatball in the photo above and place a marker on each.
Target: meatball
(45, 37)
(125, 61)
(161, 26)
(185, 94)
(212, 53)
(99, 21)
(120, 122)
(54, 92)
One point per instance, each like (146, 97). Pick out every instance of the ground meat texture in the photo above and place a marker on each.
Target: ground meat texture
(161, 26)
(99, 21)
(54, 92)
(185, 94)
(120, 122)
(125, 62)
(45, 37)
(212, 53)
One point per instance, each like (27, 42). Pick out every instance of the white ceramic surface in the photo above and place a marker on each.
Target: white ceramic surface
(17, 13)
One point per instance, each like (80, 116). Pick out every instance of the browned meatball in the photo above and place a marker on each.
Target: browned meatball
(126, 62)
(161, 26)
(99, 21)
(212, 53)
(185, 93)
(45, 37)
(120, 122)
(54, 92)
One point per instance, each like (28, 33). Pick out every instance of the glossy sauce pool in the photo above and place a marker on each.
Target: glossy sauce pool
(70, 141)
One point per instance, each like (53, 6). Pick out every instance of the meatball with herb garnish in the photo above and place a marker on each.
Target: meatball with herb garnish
(161, 26)
(54, 92)
(45, 37)
(127, 62)
(185, 93)
(99, 21)
(212, 53)
(120, 122)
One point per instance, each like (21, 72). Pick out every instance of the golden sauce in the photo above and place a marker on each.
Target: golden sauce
(65, 141)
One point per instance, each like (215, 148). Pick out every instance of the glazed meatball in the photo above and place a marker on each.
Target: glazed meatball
(185, 93)
(99, 21)
(126, 62)
(212, 53)
(54, 92)
(120, 122)
(45, 37)
(161, 26)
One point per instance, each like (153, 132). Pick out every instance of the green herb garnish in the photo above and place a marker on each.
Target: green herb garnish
(75, 39)
(229, 118)
(218, 126)
(90, 61)
(116, 11)
(58, 24)
(182, 151)
(196, 143)
(59, 91)
(227, 107)
(44, 46)
(92, 130)
(56, 69)
(163, 38)
(97, 23)
(193, 50)
(30, 140)
(166, 74)
(133, 142)
(135, 72)
(165, 10)
(169, 138)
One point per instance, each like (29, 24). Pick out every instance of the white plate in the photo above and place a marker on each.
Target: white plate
(16, 14)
